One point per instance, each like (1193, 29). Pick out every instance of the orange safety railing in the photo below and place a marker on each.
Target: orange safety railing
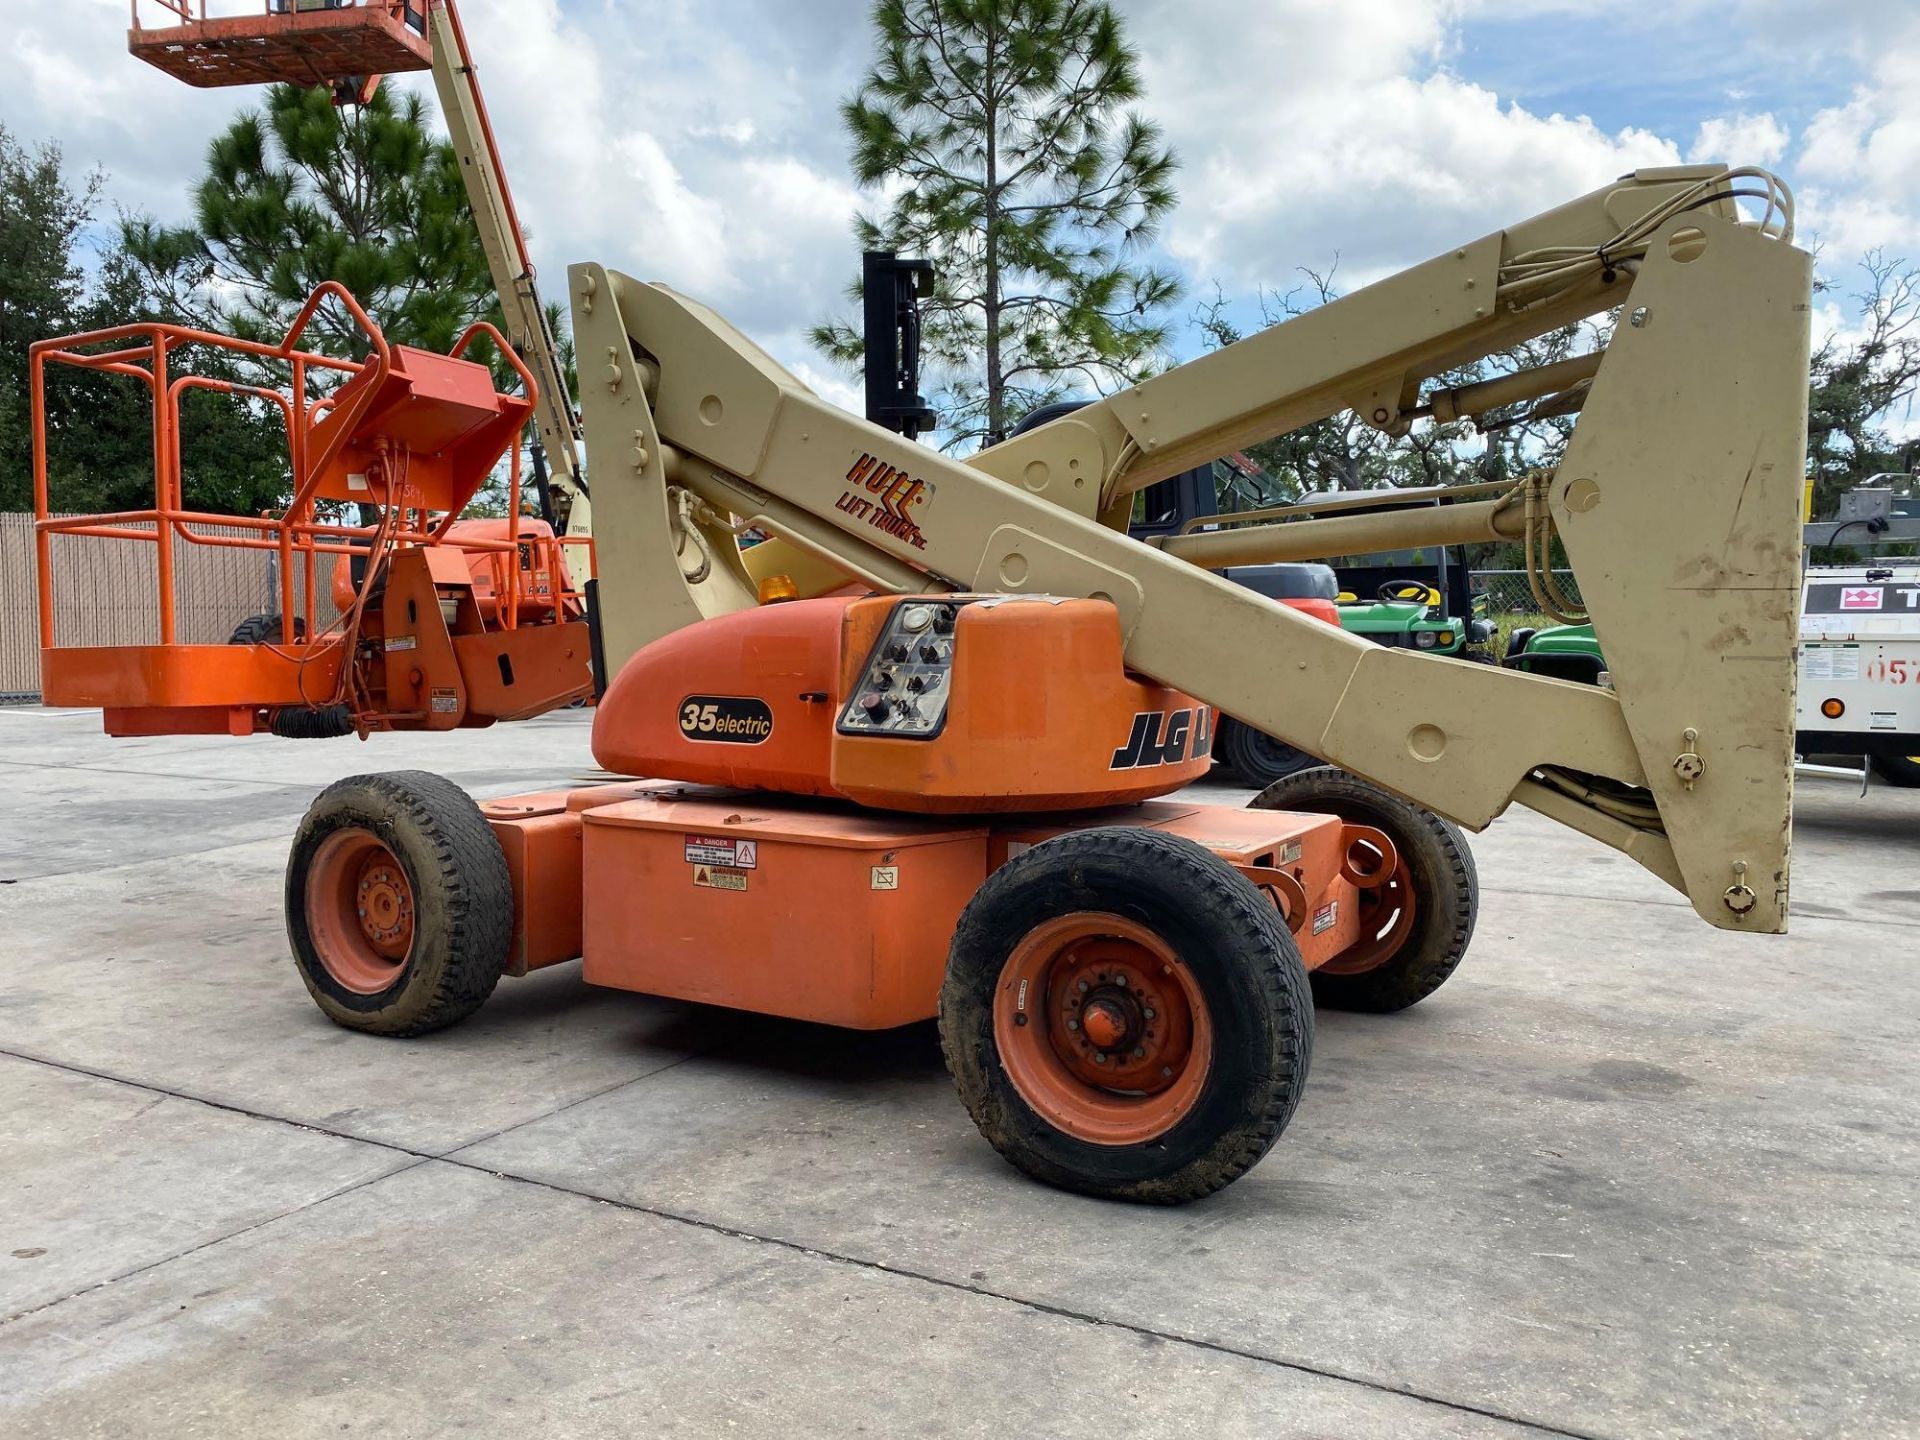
(413, 13)
(301, 535)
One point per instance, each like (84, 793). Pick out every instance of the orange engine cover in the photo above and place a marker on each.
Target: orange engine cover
(942, 704)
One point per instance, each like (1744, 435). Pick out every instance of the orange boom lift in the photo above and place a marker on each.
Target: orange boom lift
(877, 789)
(446, 623)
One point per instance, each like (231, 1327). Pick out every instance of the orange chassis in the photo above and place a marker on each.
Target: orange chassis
(835, 914)
(815, 863)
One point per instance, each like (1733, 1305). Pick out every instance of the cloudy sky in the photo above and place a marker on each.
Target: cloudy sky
(696, 141)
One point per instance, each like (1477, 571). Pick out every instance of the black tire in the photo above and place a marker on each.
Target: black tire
(461, 896)
(264, 630)
(1231, 944)
(293, 722)
(1256, 757)
(1901, 770)
(1445, 885)
(1478, 656)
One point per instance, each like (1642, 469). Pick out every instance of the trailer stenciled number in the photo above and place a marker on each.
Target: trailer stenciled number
(1882, 671)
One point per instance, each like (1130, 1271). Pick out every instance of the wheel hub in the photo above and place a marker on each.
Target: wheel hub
(1102, 1029)
(1387, 911)
(1117, 1021)
(386, 909)
(1107, 1022)
(360, 910)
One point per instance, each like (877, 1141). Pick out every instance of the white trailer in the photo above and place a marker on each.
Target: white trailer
(1860, 667)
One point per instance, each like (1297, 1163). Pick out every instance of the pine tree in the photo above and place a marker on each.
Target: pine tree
(42, 288)
(303, 191)
(99, 426)
(1002, 129)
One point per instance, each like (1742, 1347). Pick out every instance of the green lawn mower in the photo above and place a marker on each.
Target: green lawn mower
(1563, 652)
(1412, 614)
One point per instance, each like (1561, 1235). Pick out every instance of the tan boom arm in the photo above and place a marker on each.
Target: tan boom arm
(1677, 501)
(491, 200)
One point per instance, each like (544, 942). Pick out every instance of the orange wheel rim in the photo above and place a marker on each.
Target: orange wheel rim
(1387, 912)
(360, 911)
(1102, 1028)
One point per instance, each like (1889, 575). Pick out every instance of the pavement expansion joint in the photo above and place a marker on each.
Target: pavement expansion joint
(450, 1157)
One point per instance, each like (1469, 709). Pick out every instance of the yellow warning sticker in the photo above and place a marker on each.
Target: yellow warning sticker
(718, 877)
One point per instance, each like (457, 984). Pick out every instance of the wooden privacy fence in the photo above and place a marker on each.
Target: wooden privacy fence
(107, 592)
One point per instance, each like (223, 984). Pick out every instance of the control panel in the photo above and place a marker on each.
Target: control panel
(905, 685)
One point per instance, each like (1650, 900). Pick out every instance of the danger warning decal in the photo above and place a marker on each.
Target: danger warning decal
(734, 854)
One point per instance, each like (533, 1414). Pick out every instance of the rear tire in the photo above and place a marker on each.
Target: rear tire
(1256, 757)
(1901, 770)
(264, 630)
(1439, 879)
(399, 906)
(1125, 1016)
(293, 722)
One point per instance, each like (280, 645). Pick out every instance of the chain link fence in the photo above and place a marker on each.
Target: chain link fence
(1510, 604)
(107, 592)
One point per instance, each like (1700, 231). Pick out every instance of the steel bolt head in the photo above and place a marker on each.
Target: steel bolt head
(1073, 1024)
(1100, 1058)
(1149, 1012)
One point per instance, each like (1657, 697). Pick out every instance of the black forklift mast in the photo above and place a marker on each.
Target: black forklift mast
(891, 289)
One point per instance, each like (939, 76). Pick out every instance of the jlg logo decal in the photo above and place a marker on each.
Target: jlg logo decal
(898, 494)
(729, 719)
(1159, 737)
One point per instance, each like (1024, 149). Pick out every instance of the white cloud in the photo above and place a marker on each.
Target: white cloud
(1740, 140)
(697, 141)
(1339, 129)
(831, 385)
(1860, 160)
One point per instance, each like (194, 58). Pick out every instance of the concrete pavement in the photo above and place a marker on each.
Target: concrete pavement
(1623, 1176)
